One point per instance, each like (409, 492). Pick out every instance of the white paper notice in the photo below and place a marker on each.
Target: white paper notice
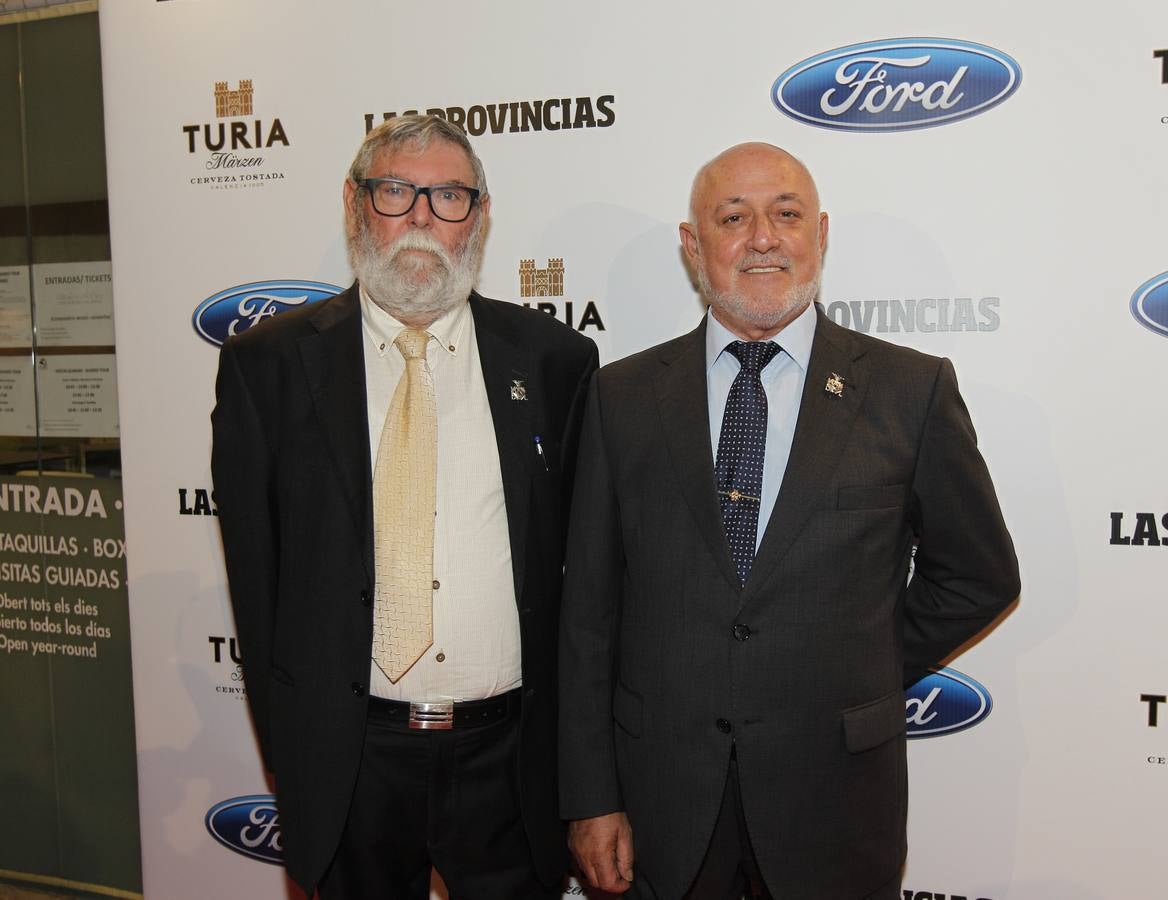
(79, 396)
(17, 398)
(74, 304)
(15, 319)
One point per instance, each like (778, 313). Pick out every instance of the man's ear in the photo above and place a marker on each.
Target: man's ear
(350, 196)
(689, 242)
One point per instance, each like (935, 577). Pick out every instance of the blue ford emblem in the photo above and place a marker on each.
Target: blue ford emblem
(1149, 304)
(248, 825)
(238, 308)
(896, 85)
(943, 702)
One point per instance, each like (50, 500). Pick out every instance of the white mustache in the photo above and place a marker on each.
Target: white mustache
(416, 240)
(765, 260)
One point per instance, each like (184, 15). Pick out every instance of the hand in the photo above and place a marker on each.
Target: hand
(603, 849)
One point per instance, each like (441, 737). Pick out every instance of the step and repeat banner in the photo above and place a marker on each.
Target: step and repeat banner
(996, 177)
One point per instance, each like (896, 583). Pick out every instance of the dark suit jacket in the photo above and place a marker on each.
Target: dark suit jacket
(293, 486)
(655, 682)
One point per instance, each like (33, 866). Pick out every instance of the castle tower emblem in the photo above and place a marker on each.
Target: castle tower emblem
(232, 104)
(547, 282)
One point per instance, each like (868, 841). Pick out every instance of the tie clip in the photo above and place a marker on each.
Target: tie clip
(736, 495)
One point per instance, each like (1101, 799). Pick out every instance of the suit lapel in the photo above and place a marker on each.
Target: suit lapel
(825, 420)
(334, 365)
(682, 394)
(505, 361)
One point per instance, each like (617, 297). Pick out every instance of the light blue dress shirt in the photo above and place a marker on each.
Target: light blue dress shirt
(782, 379)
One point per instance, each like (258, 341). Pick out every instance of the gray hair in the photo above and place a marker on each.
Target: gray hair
(417, 132)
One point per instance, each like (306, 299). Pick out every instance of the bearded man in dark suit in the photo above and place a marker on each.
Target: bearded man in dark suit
(392, 468)
(738, 619)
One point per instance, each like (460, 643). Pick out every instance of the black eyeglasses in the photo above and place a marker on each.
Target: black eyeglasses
(392, 197)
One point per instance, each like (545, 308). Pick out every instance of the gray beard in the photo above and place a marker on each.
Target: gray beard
(765, 316)
(391, 277)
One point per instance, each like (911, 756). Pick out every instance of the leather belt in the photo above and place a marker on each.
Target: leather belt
(446, 715)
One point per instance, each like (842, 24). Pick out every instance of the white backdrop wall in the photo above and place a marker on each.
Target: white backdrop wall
(1013, 239)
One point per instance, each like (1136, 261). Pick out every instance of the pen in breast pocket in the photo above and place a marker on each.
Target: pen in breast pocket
(539, 450)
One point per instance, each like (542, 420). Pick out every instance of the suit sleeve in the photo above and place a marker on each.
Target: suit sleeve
(589, 622)
(570, 438)
(965, 570)
(241, 467)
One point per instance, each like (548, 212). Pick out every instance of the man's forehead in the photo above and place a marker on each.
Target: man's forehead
(754, 172)
(767, 194)
(448, 159)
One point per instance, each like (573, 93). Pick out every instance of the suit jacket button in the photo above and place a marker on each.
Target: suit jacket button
(358, 689)
(365, 598)
(724, 726)
(741, 632)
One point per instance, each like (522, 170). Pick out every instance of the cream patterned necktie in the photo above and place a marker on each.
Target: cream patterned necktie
(404, 497)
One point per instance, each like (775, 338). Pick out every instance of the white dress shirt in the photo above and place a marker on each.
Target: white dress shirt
(782, 380)
(475, 653)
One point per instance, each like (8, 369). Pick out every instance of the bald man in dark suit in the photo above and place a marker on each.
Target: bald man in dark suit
(738, 622)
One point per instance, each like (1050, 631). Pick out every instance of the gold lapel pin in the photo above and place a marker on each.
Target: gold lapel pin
(518, 389)
(835, 385)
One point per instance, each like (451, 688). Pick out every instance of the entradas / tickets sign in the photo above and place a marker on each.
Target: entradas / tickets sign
(65, 681)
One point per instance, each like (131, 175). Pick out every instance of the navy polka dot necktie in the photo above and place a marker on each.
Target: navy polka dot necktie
(741, 447)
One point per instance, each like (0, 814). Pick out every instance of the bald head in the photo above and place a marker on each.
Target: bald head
(748, 155)
(755, 238)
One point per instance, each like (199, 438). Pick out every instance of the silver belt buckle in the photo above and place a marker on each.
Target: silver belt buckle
(436, 716)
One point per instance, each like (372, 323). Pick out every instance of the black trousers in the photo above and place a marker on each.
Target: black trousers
(729, 870)
(447, 799)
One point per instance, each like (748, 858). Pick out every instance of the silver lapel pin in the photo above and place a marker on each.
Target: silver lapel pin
(835, 385)
(518, 389)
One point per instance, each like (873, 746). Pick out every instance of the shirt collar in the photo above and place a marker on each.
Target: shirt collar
(450, 331)
(795, 338)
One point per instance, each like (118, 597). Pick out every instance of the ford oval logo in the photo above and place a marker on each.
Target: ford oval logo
(1149, 304)
(896, 85)
(248, 825)
(943, 702)
(237, 309)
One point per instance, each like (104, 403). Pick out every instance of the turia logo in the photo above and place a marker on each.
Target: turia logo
(1149, 304)
(248, 825)
(225, 652)
(244, 306)
(943, 702)
(236, 148)
(549, 282)
(896, 85)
